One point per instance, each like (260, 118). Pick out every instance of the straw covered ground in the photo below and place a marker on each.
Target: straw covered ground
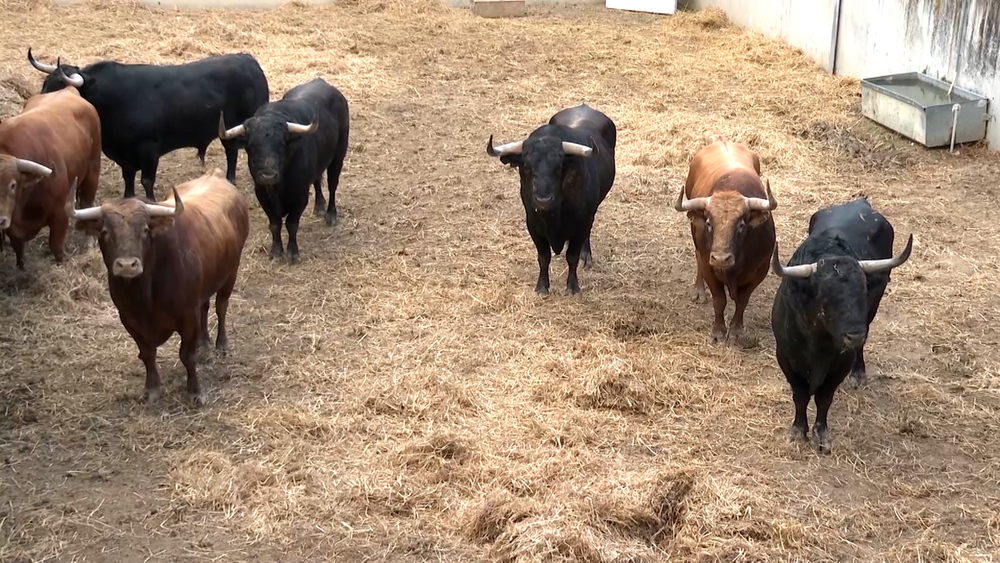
(403, 395)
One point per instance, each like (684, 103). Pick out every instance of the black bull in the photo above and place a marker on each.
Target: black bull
(567, 168)
(148, 111)
(829, 294)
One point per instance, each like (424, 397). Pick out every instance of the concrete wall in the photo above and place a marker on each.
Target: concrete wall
(943, 38)
(468, 3)
(807, 24)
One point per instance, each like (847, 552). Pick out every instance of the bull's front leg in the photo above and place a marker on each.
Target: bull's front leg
(190, 335)
(277, 249)
(544, 260)
(719, 305)
(147, 354)
(573, 262)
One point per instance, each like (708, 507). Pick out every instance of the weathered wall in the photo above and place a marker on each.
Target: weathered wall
(468, 3)
(807, 24)
(943, 38)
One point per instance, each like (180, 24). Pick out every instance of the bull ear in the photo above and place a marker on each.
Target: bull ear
(758, 218)
(512, 160)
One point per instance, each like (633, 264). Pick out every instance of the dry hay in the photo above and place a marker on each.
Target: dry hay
(403, 395)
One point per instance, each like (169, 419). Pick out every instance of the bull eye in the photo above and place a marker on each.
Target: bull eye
(12, 186)
(145, 230)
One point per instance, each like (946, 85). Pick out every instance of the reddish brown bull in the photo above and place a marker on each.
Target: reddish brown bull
(166, 260)
(730, 213)
(55, 138)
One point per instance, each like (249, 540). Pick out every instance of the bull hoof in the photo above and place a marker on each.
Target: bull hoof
(198, 399)
(718, 337)
(320, 208)
(276, 253)
(797, 434)
(857, 379)
(222, 348)
(331, 219)
(823, 442)
(151, 395)
(699, 296)
(586, 259)
(572, 290)
(293, 257)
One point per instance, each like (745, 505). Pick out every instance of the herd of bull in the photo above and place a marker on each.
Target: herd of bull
(829, 292)
(166, 259)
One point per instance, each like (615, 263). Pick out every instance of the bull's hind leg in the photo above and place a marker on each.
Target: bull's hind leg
(190, 335)
(333, 178)
(203, 342)
(128, 176)
(150, 162)
(221, 307)
(319, 208)
(587, 255)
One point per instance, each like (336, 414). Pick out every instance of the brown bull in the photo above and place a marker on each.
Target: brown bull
(730, 213)
(166, 260)
(55, 138)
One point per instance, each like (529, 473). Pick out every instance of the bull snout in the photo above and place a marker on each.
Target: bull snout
(721, 260)
(544, 203)
(127, 267)
(4, 222)
(853, 339)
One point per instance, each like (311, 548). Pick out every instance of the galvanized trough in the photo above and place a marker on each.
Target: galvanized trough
(920, 107)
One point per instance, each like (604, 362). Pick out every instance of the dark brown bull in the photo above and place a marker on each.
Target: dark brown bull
(166, 260)
(730, 213)
(55, 138)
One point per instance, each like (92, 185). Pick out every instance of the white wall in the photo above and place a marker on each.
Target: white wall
(807, 24)
(943, 38)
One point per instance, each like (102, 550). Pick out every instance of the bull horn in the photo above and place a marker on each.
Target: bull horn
(503, 150)
(79, 214)
(31, 167)
(226, 134)
(696, 204)
(576, 149)
(74, 80)
(879, 266)
(761, 204)
(299, 129)
(156, 210)
(800, 271)
(47, 69)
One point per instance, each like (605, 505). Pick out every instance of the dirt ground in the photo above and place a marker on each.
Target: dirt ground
(403, 394)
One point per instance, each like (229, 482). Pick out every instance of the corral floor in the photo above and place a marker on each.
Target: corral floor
(403, 395)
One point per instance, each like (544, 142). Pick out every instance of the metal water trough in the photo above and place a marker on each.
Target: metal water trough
(919, 107)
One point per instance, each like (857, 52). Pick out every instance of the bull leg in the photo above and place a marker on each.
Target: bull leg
(292, 225)
(320, 205)
(150, 162)
(189, 357)
(221, 307)
(128, 175)
(333, 178)
(18, 246)
(824, 398)
(203, 343)
(277, 250)
(587, 255)
(232, 148)
(573, 261)
(719, 305)
(741, 299)
(800, 397)
(698, 295)
(147, 354)
(544, 259)
(58, 230)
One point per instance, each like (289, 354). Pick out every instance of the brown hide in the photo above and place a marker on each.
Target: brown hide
(728, 172)
(175, 265)
(62, 131)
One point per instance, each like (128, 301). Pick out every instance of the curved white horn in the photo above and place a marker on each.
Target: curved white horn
(509, 148)
(576, 149)
(696, 204)
(299, 129)
(878, 266)
(74, 80)
(79, 214)
(25, 166)
(800, 271)
(156, 210)
(761, 204)
(227, 134)
(47, 69)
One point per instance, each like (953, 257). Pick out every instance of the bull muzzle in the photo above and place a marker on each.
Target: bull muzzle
(127, 268)
(721, 261)
(853, 340)
(4, 222)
